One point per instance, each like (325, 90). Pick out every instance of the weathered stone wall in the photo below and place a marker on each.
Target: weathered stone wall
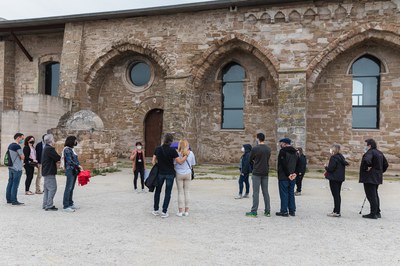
(7, 75)
(329, 108)
(43, 47)
(96, 150)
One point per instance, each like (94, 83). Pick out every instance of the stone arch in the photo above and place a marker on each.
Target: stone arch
(120, 47)
(294, 16)
(150, 103)
(384, 66)
(234, 41)
(349, 40)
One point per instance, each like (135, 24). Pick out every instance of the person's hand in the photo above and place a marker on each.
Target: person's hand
(80, 167)
(369, 168)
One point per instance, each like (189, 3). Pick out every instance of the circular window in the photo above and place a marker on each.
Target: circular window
(140, 74)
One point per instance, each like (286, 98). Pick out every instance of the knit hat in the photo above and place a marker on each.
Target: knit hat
(285, 140)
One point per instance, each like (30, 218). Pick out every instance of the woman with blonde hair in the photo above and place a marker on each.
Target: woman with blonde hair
(184, 176)
(335, 173)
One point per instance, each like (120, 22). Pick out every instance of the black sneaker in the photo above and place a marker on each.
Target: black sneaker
(378, 215)
(370, 216)
(283, 214)
(17, 203)
(51, 209)
(292, 213)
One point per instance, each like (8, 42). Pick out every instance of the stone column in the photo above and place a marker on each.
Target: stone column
(292, 107)
(178, 108)
(7, 75)
(71, 83)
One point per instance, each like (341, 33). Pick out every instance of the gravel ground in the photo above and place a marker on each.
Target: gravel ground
(114, 226)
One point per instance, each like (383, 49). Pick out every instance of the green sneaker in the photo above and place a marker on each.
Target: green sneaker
(251, 214)
(268, 214)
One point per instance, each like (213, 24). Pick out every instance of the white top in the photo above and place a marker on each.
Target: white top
(184, 169)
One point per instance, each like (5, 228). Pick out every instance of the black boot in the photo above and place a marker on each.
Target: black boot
(370, 216)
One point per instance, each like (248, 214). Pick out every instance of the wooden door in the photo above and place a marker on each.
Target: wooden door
(153, 124)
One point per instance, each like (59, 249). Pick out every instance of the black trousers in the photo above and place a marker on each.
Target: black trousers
(336, 186)
(371, 191)
(299, 181)
(136, 172)
(29, 170)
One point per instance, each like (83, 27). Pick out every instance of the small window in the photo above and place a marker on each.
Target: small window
(232, 96)
(365, 97)
(140, 74)
(52, 78)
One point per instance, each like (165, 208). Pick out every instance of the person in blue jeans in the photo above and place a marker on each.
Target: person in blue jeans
(15, 171)
(245, 168)
(72, 168)
(165, 156)
(287, 161)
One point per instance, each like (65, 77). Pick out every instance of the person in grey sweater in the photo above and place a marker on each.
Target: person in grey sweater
(259, 156)
(49, 170)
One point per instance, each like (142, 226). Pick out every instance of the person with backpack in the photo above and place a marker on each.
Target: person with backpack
(335, 173)
(15, 158)
(245, 168)
(373, 165)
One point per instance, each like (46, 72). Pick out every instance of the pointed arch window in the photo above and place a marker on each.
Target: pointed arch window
(232, 96)
(365, 97)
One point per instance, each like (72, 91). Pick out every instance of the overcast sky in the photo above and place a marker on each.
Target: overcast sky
(22, 9)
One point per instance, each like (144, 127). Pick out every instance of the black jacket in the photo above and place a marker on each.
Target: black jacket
(245, 165)
(336, 168)
(287, 161)
(27, 152)
(39, 149)
(376, 160)
(49, 161)
(301, 165)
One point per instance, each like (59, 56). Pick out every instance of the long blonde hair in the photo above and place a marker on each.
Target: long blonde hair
(183, 147)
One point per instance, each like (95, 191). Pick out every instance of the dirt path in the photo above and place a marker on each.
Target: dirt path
(115, 227)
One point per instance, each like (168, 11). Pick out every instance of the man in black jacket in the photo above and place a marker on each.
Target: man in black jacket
(373, 165)
(287, 161)
(49, 170)
(39, 149)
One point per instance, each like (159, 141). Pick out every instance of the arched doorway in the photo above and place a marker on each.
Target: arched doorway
(153, 124)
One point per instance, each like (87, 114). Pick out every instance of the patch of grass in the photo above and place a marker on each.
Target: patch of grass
(105, 171)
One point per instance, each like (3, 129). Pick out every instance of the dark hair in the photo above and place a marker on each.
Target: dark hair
(168, 139)
(371, 142)
(138, 143)
(17, 135)
(70, 141)
(260, 136)
(27, 139)
(300, 150)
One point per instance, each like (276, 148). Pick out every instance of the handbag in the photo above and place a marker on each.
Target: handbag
(191, 168)
(32, 163)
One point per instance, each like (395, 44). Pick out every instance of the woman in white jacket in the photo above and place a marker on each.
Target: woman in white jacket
(184, 176)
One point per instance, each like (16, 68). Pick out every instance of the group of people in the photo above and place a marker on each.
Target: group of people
(291, 169)
(171, 163)
(44, 157)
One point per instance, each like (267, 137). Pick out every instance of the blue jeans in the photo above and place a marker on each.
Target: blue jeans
(169, 180)
(244, 178)
(69, 188)
(12, 187)
(286, 193)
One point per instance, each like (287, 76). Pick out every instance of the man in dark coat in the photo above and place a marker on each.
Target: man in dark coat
(245, 169)
(39, 148)
(373, 165)
(287, 161)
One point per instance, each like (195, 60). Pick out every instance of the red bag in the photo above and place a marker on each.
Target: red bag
(83, 177)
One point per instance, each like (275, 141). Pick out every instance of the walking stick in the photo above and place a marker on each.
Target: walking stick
(363, 205)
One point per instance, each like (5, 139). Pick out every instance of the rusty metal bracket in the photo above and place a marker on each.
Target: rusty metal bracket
(30, 58)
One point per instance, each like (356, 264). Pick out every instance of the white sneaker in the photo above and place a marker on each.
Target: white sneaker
(74, 207)
(164, 215)
(155, 213)
(239, 196)
(144, 191)
(69, 209)
(179, 214)
(186, 214)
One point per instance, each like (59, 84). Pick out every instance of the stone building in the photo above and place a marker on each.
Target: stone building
(319, 72)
